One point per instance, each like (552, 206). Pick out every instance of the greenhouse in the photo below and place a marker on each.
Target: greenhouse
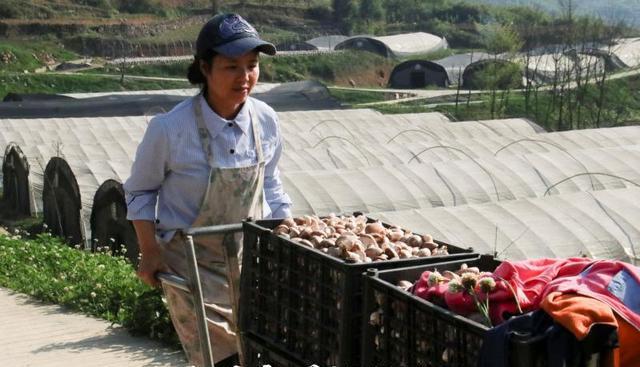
(396, 46)
(626, 50)
(460, 182)
(455, 65)
(326, 43)
(72, 169)
(600, 224)
(417, 74)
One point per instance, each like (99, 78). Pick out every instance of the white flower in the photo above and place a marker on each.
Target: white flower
(93, 294)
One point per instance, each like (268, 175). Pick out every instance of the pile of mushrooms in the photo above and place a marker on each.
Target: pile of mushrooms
(352, 239)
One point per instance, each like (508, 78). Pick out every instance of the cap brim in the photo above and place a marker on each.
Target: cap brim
(241, 46)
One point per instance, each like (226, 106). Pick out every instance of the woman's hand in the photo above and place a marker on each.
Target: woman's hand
(150, 264)
(151, 254)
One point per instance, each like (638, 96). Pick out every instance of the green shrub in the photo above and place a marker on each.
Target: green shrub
(93, 283)
(79, 83)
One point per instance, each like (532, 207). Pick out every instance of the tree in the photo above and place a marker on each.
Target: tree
(371, 10)
(343, 12)
(502, 42)
(215, 6)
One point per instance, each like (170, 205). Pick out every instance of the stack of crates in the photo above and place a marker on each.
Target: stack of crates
(303, 304)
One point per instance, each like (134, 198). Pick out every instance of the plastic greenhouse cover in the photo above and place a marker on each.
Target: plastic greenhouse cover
(413, 43)
(341, 134)
(460, 182)
(628, 51)
(601, 224)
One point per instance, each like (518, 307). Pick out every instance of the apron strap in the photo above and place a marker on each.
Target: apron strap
(205, 135)
(256, 132)
(203, 132)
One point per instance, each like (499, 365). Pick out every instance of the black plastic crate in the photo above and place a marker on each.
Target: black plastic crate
(412, 331)
(258, 354)
(305, 302)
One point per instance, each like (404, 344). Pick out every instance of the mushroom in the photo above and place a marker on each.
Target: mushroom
(289, 222)
(373, 252)
(367, 239)
(375, 227)
(281, 229)
(423, 252)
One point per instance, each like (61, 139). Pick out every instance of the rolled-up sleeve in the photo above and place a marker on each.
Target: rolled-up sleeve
(147, 173)
(279, 202)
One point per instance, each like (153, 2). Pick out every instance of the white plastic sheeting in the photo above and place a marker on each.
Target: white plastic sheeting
(39, 155)
(74, 135)
(601, 224)
(547, 67)
(112, 138)
(628, 51)
(335, 153)
(337, 132)
(397, 163)
(413, 43)
(460, 182)
(326, 42)
(400, 45)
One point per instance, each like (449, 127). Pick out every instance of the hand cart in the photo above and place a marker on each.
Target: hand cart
(193, 286)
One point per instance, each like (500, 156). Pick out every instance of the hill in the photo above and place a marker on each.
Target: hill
(627, 11)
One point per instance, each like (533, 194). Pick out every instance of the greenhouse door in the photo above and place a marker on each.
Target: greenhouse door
(418, 79)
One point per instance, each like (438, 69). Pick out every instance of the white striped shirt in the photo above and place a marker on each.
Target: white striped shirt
(171, 169)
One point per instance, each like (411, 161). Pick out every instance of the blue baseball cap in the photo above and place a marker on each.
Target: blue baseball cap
(232, 36)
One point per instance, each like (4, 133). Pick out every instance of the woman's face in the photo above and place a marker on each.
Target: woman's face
(230, 80)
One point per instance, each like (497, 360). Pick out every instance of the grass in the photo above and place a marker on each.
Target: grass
(621, 106)
(354, 97)
(19, 56)
(66, 83)
(328, 68)
(166, 70)
(189, 32)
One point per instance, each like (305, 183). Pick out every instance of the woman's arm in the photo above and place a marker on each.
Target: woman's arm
(278, 200)
(141, 192)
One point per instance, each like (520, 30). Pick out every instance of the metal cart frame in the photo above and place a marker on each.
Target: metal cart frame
(193, 285)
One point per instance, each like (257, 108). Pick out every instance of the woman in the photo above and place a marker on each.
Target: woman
(211, 160)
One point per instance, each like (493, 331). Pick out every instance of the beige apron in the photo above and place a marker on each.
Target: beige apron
(233, 194)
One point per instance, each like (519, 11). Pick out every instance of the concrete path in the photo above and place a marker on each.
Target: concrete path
(36, 334)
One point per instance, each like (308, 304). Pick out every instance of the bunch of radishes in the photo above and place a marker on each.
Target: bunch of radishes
(466, 291)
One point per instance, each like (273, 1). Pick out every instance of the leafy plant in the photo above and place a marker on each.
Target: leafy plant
(93, 283)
